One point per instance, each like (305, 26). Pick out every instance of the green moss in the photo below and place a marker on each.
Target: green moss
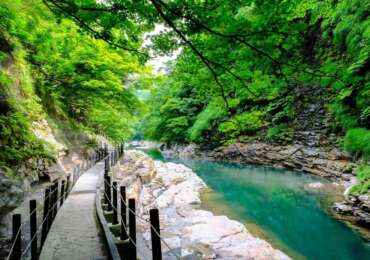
(363, 178)
(357, 141)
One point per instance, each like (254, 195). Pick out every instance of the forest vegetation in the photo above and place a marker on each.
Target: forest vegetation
(235, 80)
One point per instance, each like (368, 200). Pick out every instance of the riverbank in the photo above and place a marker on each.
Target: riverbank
(329, 162)
(187, 230)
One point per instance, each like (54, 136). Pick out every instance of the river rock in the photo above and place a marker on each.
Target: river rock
(314, 186)
(188, 231)
(330, 163)
(357, 208)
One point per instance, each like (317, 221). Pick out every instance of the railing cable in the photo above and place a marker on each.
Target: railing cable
(40, 226)
(142, 218)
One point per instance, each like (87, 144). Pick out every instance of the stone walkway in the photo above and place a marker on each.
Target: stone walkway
(74, 234)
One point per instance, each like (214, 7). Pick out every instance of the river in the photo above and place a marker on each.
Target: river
(278, 206)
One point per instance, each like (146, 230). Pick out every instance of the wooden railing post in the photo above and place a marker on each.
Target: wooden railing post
(51, 203)
(62, 188)
(132, 229)
(45, 218)
(67, 186)
(115, 213)
(155, 234)
(106, 165)
(106, 189)
(105, 149)
(123, 202)
(55, 200)
(16, 238)
(33, 229)
(109, 193)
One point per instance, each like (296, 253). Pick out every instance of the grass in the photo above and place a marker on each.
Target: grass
(363, 178)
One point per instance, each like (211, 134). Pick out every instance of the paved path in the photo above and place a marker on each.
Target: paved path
(74, 234)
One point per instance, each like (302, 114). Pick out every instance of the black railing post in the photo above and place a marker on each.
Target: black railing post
(155, 233)
(52, 204)
(33, 229)
(16, 238)
(123, 213)
(62, 188)
(132, 228)
(50, 207)
(115, 212)
(67, 186)
(45, 218)
(106, 189)
(106, 165)
(55, 208)
(109, 193)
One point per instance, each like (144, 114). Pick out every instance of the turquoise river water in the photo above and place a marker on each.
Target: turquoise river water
(276, 205)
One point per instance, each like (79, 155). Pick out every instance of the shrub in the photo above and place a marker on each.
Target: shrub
(279, 133)
(203, 122)
(357, 141)
(363, 178)
(246, 123)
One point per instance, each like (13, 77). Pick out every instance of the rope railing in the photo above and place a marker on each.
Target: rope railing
(152, 228)
(126, 230)
(24, 224)
(50, 209)
(28, 246)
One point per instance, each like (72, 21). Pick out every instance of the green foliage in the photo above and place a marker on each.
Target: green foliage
(239, 69)
(3, 56)
(247, 123)
(293, 44)
(279, 133)
(215, 110)
(18, 144)
(357, 141)
(363, 180)
(77, 77)
(50, 68)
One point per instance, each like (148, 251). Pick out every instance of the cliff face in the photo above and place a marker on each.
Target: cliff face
(312, 119)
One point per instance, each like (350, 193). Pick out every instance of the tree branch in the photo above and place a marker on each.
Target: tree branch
(94, 33)
(193, 48)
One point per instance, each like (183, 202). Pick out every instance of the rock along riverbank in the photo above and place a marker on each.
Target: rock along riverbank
(327, 162)
(188, 231)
